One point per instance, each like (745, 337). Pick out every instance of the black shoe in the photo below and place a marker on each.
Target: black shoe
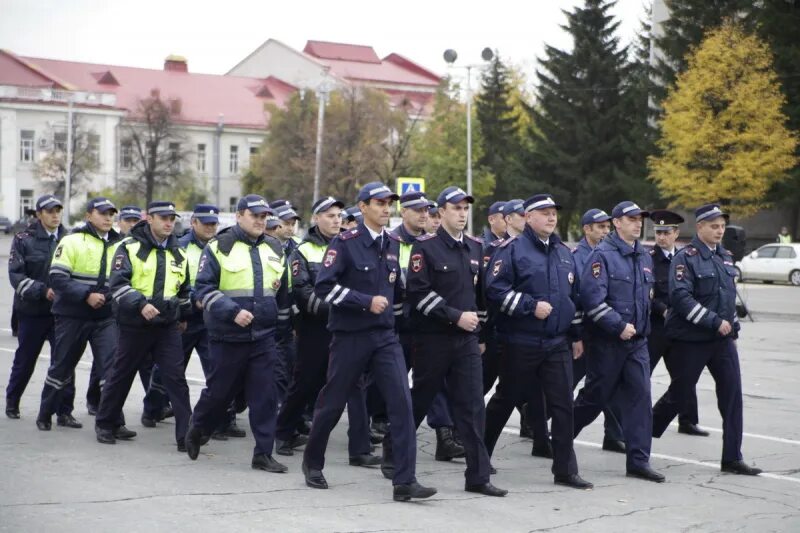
(68, 421)
(124, 433)
(314, 477)
(365, 459)
(446, 447)
(304, 427)
(613, 445)
(375, 438)
(262, 461)
(692, 429)
(182, 445)
(12, 412)
(165, 413)
(403, 493)
(287, 447)
(44, 424)
(387, 458)
(492, 470)
(380, 427)
(219, 435)
(487, 489)
(542, 449)
(193, 441)
(741, 468)
(105, 436)
(234, 431)
(647, 474)
(148, 422)
(91, 409)
(573, 480)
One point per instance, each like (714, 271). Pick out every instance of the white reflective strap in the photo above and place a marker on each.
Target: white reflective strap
(398, 306)
(118, 297)
(455, 193)
(597, 309)
(506, 301)
(424, 301)
(436, 301)
(338, 300)
(514, 304)
(316, 306)
(210, 302)
(541, 203)
(210, 295)
(60, 269)
(601, 314)
(311, 300)
(403, 277)
(122, 290)
(699, 316)
(334, 291)
(23, 285)
(184, 301)
(630, 208)
(379, 190)
(694, 311)
(398, 312)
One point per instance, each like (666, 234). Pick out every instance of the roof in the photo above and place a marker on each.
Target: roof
(203, 97)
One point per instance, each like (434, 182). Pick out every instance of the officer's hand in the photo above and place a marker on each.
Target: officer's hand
(182, 326)
(482, 347)
(50, 295)
(198, 304)
(468, 321)
(725, 328)
(543, 310)
(243, 318)
(378, 305)
(96, 300)
(577, 350)
(149, 312)
(628, 332)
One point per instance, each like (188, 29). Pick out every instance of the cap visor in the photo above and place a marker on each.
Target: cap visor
(460, 198)
(104, 209)
(258, 209)
(208, 220)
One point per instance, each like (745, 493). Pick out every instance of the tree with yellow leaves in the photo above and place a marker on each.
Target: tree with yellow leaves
(723, 133)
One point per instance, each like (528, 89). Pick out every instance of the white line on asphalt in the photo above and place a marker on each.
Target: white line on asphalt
(752, 435)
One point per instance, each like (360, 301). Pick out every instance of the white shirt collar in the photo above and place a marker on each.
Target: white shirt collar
(546, 242)
(375, 234)
(668, 253)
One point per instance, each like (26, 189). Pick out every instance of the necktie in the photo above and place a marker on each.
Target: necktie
(669, 256)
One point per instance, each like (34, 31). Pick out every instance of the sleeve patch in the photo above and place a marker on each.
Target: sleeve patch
(416, 262)
(330, 258)
(202, 263)
(118, 261)
(679, 269)
(596, 266)
(295, 267)
(59, 249)
(497, 266)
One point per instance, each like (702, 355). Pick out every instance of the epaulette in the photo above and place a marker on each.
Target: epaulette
(727, 252)
(474, 238)
(497, 242)
(574, 250)
(562, 243)
(508, 241)
(426, 237)
(348, 234)
(691, 250)
(652, 251)
(396, 237)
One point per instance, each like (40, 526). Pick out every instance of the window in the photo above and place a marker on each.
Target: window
(26, 146)
(25, 202)
(233, 165)
(785, 252)
(253, 150)
(174, 157)
(60, 141)
(93, 146)
(233, 203)
(767, 252)
(201, 157)
(126, 155)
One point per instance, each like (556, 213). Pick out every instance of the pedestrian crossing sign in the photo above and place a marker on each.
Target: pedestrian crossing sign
(406, 185)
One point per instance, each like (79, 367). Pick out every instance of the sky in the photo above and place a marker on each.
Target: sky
(215, 35)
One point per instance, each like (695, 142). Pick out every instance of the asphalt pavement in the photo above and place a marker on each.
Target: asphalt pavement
(63, 480)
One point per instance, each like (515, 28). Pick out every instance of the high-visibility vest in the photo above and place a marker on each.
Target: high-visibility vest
(237, 278)
(143, 278)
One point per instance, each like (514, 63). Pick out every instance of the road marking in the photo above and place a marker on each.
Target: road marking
(752, 435)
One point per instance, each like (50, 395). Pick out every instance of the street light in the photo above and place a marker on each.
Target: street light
(450, 57)
(323, 91)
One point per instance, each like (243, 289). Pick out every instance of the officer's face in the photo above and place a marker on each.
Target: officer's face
(350, 224)
(125, 224)
(454, 216)
(629, 228)
(434, 221)
(329, 221)
(101, 221)
(497, 223)
(666, 238)
(711, 231)
(376, 212)
(543, 221)
(50, 218)
(161, 225)
(251, 223)
(515, 221)
(287, 229)
(415, 219)
(204, 231)
(597, 232)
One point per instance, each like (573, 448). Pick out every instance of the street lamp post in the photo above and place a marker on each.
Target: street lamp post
(68, 172)
(323, 91)
(450, 57)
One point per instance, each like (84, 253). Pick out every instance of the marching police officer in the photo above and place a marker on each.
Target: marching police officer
(445, 295)
(313, 340)
(79, 274)
(434, 218)
(359, 278)
(533, 283)
(28, 268)
(150, 287)
(289, 218)
(703, 326)
(596, 224)
(242, 286)
(351, 218)
(497, 223)
(615, 293)
(658, 345)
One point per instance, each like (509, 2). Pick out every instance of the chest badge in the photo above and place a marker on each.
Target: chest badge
(596, 269)
(392, 276)
(416, 262)
(571, 278)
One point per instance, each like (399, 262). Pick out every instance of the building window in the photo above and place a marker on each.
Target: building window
(126, 155)
(60, 141)
(26, 146)
(93, 146)
(253, 150)
(233, 165)
(233, 204)
(175, 157)
(201, 157)
(25, 202)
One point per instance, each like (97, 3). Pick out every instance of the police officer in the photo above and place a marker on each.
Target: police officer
(444, 294)
(434, 218)
(28, 268)
(658, 345)
(313, 340)
(497, 223)
(533, 283)
(703, 327)
(79, 274)
(414, 212)
(287, 231)
(129, 215)
(360, 279)
(351, 218)
(242, 286)
(596, 224)
(150, 287)
(615, 292)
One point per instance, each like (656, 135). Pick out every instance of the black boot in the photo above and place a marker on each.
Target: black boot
(446, 447)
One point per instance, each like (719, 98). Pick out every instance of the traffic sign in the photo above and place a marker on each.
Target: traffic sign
(405, 185)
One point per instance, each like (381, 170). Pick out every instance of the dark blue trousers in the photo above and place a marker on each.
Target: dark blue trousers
(722, 360)
(551, 367)
(659, 346)
(351, 354)
(71, 336)
(612, 415)
(310, 369)
(455, 359)
(138, 347)
(284, 365)
(31, 333)
(623, 368)
(237, 366)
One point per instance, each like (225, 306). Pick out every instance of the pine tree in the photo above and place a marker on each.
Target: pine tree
(723, 132)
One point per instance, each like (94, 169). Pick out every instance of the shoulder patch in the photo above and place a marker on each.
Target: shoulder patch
(679, 270)
(426, 237)
(496, 267)
(416, 262)
(349, 234)
(295, 267)
(596, 268)
(691, 250)
(508, 241)
(330, 258)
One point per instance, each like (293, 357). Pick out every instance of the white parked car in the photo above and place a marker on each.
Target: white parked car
(772, 262)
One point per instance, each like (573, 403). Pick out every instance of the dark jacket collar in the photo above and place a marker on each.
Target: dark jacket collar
(614, 240)
(240, 235)
(448, 239)
(315, 236)
(366, 236)
(553, 240)
(407, 237)
(113, 235)
(37, 230)
(704, 250)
